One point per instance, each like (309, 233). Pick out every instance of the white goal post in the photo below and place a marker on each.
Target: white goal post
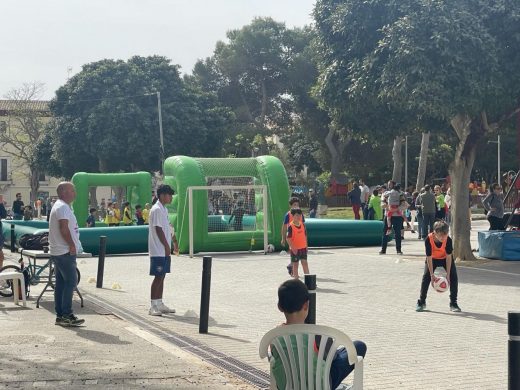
(227, 203)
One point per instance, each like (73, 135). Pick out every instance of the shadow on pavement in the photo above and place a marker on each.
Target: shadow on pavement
(485, 277)
(330, 280)
(97, 336)
(330, 291)
(195, 321)
(473, 316)
(228, 338)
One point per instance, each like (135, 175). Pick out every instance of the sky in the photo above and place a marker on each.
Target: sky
(42, 39)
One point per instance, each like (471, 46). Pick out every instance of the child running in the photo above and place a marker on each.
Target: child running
(439, 248)
(293, 302)
(396, 206)
(297, 240)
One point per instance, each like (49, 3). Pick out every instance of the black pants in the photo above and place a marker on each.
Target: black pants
(364, 208)
(426, 279)
(427, 225)
(397, 225)
(495, 223)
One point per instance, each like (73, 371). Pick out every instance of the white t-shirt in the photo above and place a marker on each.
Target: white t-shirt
(57, 244)
(365, 193)
(158, 217)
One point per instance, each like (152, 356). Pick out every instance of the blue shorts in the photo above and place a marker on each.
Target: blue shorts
(160, 265)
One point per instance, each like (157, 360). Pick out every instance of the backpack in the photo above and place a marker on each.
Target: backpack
(34, 241)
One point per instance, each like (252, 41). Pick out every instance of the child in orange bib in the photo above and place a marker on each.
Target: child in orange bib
(297, 240)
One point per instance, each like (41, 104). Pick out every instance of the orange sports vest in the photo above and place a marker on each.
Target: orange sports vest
(299, 236)
(438, 253)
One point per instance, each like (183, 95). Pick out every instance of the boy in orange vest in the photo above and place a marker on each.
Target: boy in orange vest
(294, 203)
(439, 249)
(297, 240)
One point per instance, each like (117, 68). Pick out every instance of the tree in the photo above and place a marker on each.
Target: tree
(26, 128)
(397, 156)
(423, 160)
(107, 114)
(453, 61)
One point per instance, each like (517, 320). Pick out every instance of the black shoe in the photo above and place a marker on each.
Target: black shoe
(289, 269)
(420, 306)
(58, 321)
(455, 308)
(382, 252)
(399, 252)
(71, 320)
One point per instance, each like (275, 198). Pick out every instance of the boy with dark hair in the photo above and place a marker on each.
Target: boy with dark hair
(293, 302)
(297, 240)
(294, 203)
(139, 214)
(439, 249)
(91, 220)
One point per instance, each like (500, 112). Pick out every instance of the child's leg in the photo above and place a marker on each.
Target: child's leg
(305, 267)
(426, 281)
(341, 367)
(454, 282)
(295, 270)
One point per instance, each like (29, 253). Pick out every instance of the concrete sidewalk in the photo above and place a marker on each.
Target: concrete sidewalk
(106, 353)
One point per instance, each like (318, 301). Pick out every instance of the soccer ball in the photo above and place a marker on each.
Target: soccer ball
(441, 284)
(270, 248)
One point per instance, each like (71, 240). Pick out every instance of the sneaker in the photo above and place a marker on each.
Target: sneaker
(289, 269)
(413, 231)
(164, 309)
(59, 320)
(155, 311)
(70, 320)
(399, 252)
(382, 252)
(420, 306)
(454, 308)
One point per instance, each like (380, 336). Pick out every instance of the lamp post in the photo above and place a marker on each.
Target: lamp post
(498, 157)
(405, 163)
(161, 136)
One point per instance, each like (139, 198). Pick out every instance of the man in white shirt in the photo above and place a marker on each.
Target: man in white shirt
(64, 244)
(160, 237)
(365, 196)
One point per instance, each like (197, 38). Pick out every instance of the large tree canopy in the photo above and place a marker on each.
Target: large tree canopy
(454, 61)
(106, 118)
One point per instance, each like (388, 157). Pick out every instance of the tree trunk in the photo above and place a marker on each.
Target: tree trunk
(397, 156)
(469, 132)
(423, 161)
(34, 179)
(264, 104)
(336, 146)
(93, 197)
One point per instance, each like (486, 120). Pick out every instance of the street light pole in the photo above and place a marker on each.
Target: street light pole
(498, 158)
(406, 163)
(160, 129)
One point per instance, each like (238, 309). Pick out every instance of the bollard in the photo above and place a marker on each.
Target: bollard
(13, 239)
(513, 320)
(101, 261)
(310, 282)
(204, 295)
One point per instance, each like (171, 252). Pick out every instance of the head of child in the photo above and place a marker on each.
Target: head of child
(293, 301)
(138, 207)
(294, 202)
(440, 231)
(92, 211)
(397, 187)
(126, 204)
(297, 215)
(147, 206)
(376, 192)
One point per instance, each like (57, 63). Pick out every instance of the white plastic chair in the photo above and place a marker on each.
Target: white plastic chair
(15, 277)
(296, 377)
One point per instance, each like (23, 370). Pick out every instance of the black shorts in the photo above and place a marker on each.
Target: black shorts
(301, 254)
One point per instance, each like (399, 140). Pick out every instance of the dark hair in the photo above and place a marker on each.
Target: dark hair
(138, 206)
(415, 193)
(493, 186)
(92, 210)
(441, 227)
(109, 204)
(126, 204)
(18, 194)
(296, 211)
(164, 189)
(293, 200)
(376, 192)
(427, 187)
(292, 295)
(397, 187)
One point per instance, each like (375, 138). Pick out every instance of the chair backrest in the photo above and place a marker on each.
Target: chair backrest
(295, 347)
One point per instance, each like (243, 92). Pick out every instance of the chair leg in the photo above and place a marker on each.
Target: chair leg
(15, 290)
(24, 295)
(358, 376)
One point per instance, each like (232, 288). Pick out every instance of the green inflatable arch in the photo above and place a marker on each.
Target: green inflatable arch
(182, 172)
(140, 182)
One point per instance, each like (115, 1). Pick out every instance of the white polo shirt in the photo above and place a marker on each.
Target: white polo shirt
(57, 244)
(158, 217)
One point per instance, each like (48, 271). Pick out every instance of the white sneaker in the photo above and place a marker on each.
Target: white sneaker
(3, 284)
(154, 311)
(164, 309)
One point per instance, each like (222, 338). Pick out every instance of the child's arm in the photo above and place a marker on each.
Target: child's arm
(289, 242)
(430, 267)
(284, 233)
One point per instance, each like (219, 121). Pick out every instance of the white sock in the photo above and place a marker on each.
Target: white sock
(155, 302)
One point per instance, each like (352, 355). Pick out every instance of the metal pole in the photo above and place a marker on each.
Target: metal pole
(513, 321)
(264, 199)
(13, 239)
(161, 136)
(190, 219)
(101, 261)
(204, 294)
(499, 179)
(310, 282)
(406, 164)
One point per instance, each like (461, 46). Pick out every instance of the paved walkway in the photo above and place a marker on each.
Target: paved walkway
(369, 297)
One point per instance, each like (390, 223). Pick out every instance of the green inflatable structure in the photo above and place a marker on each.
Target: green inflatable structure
(139, 183)
(261, 180)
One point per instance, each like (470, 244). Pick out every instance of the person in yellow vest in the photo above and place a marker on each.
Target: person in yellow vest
(127, 215)
(146, 213)
(297, 240)
(109, 217)
(439, 249)
(117, 215)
